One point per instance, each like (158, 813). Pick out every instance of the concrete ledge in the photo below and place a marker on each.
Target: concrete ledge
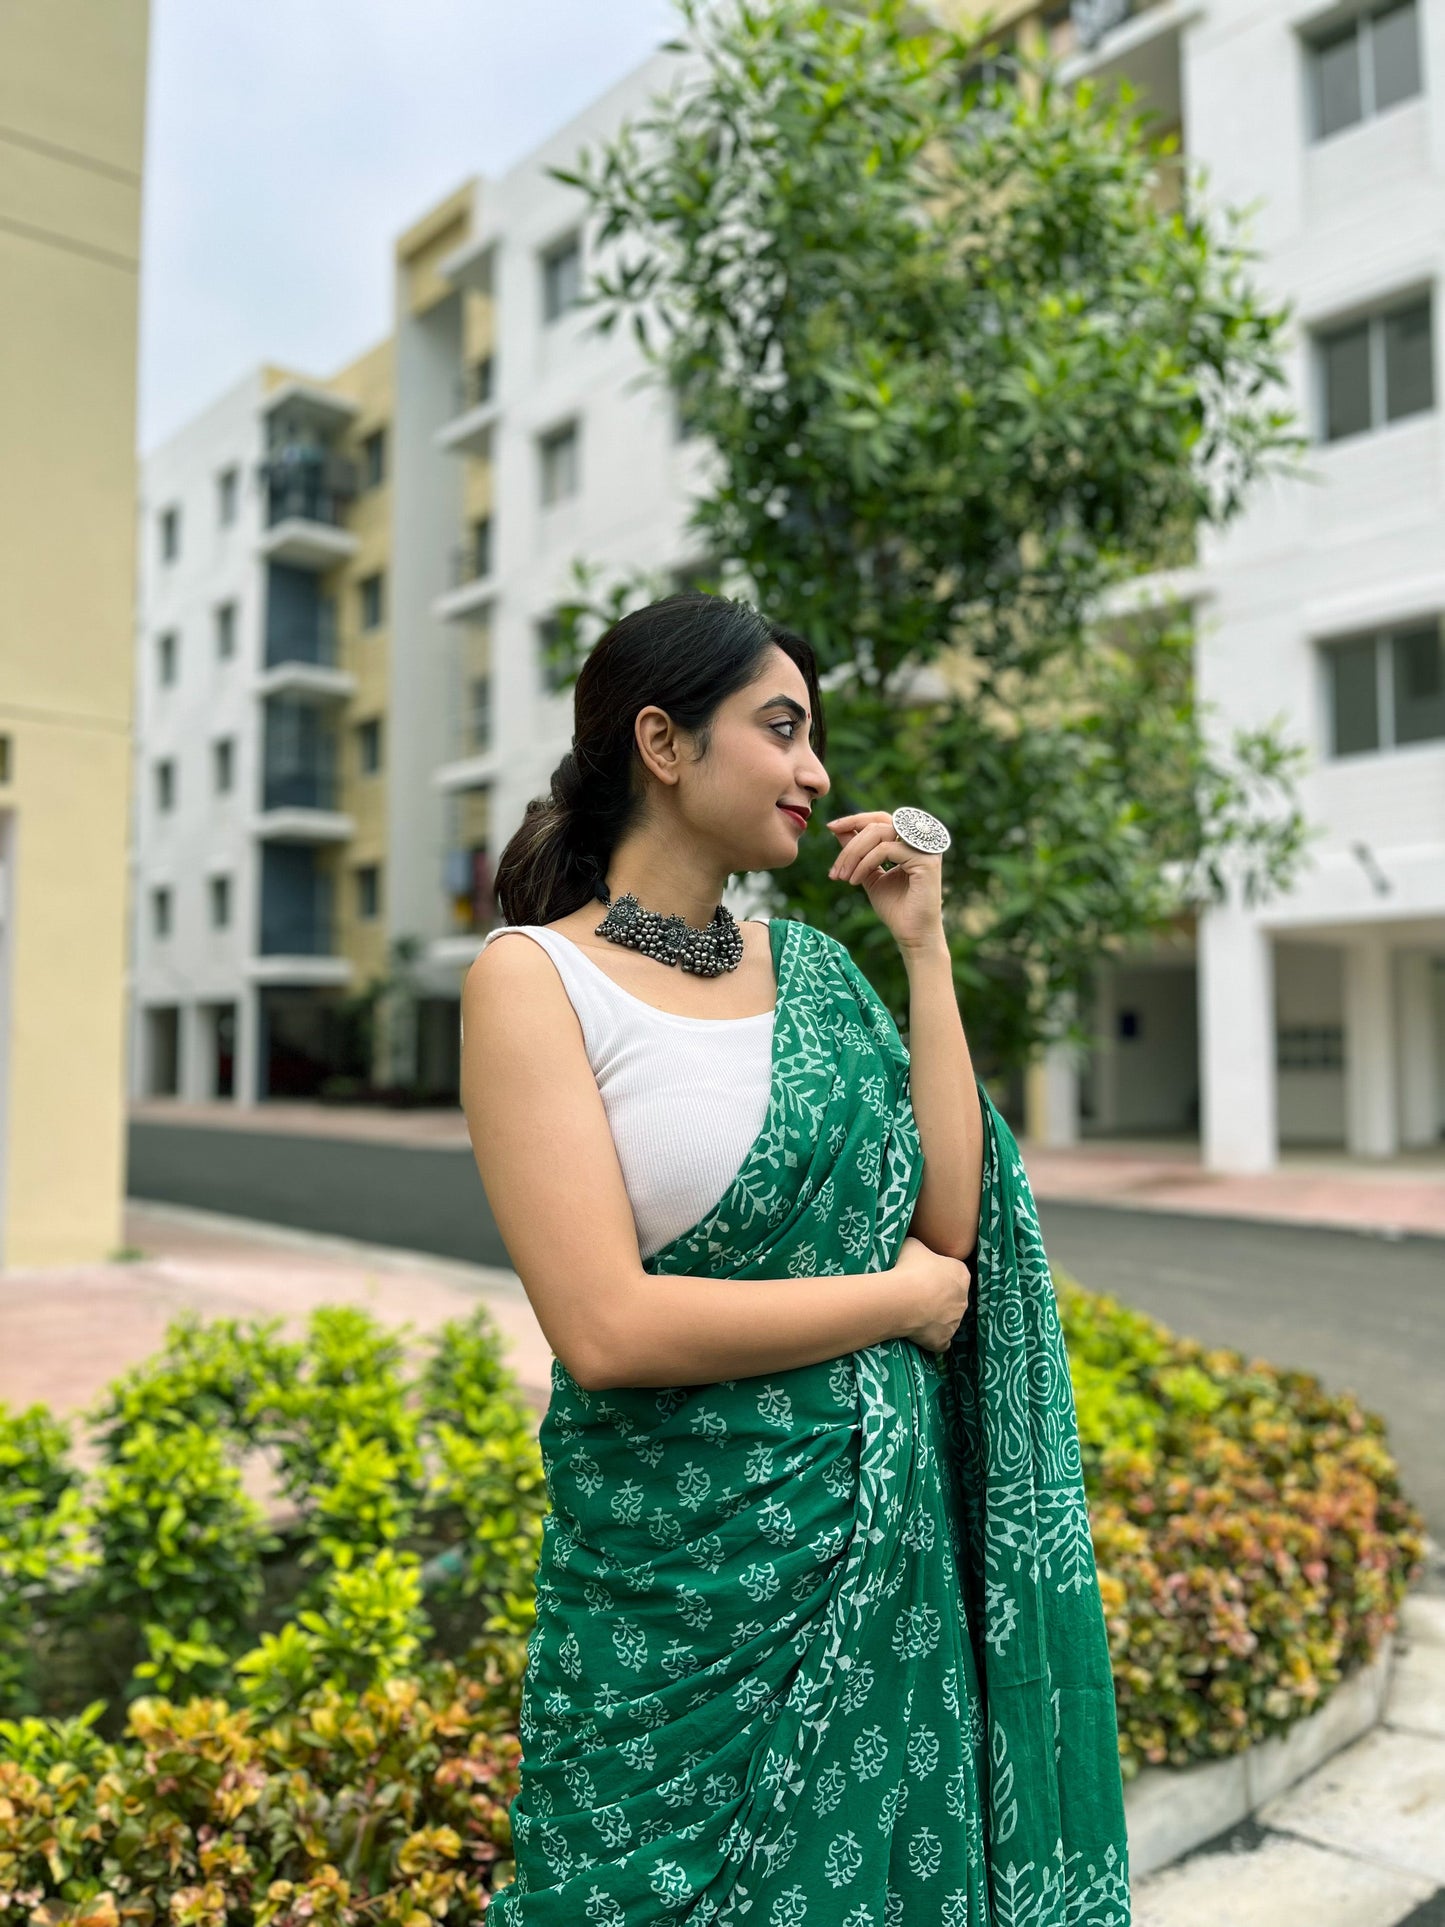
(1171, 1810)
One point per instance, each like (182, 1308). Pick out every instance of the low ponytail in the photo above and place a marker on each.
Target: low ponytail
(685, 655)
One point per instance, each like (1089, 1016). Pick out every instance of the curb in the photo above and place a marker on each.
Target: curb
(331, 1244)
(1169, 1811)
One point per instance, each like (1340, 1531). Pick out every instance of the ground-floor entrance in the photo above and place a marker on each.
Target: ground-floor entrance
(1259, 1042)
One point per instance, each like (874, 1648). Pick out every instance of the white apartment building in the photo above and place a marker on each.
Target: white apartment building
(237, 803)
(1319, 1018)
(586, 460)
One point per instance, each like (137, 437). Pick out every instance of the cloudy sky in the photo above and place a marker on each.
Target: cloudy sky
(289, 141)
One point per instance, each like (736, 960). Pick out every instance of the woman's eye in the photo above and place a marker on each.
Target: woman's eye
(790, 724)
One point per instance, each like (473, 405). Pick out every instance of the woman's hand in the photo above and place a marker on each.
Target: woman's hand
(937, 1293)
(909, 897)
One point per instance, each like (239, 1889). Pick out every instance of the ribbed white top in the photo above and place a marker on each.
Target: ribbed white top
(685, 1096)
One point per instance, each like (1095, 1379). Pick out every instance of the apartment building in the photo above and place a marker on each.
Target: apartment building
(1317, 1020)
(580, 455)
(293, 684)
(261, 674)
(72, 137)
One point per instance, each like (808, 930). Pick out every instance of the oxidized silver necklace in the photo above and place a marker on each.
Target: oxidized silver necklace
(672, 940)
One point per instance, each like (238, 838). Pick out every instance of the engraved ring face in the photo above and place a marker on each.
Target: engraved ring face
(920, 831)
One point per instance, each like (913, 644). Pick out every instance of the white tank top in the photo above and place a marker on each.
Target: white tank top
(685, 1096)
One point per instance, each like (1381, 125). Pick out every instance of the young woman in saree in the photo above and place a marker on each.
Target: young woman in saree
(819, 1640)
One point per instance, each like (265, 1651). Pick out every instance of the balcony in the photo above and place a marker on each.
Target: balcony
(302, 655)
(1137, 40)
(300, 800)
(306, 489)
(474, 401)
(296, 941)
(472, 583)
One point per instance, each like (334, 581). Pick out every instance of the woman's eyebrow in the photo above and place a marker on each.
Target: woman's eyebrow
(785, 702)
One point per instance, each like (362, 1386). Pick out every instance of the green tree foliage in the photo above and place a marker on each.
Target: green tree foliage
(958, 374)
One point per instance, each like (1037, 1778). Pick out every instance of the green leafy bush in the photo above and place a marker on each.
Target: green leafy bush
(1252, 1539)
(410, 1520)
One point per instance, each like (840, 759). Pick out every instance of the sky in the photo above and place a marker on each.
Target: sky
(289, 141)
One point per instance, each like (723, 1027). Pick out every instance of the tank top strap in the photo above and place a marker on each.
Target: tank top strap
(586, 984)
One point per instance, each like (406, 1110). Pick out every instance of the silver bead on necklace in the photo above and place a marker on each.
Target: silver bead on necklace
(672, 940)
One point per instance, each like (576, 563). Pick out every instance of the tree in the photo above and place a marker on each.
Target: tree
(959, 375)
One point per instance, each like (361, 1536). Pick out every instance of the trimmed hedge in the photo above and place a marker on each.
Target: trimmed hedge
(1252, 1539)
(345, 1748)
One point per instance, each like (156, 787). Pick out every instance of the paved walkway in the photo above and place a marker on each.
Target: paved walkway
(1359, 1844)
(1391, 1195)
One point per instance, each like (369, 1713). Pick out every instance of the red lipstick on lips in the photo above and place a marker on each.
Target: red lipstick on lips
(797, 815)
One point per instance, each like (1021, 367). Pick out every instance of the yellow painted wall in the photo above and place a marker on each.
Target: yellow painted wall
(72, 116)
(370, 382)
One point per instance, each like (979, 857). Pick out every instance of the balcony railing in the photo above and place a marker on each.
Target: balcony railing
(308, 483)
(312, 640)
(472, 559)
(299, 789)
(474, 386)
(298, 933)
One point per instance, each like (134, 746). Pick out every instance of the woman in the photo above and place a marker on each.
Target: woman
(818, 1633)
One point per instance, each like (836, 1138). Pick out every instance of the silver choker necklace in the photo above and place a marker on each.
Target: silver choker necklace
(672, 940)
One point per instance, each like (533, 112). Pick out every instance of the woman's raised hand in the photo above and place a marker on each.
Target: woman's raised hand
(936, 1295)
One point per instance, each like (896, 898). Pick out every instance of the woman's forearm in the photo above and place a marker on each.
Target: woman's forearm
(945, 1106)
(698, 1331)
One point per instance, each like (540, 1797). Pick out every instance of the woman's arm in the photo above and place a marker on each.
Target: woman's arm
(945, 1105)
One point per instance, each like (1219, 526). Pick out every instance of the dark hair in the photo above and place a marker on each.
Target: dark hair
(686, 655)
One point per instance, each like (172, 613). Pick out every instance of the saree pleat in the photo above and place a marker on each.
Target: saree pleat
(823, 1647)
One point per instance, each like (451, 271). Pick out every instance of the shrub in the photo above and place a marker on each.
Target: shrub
(1252, 1542)
(386, 1807)
(416, 1507)
(1252, 1539)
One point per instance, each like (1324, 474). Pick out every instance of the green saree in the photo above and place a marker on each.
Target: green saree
(824, 1647)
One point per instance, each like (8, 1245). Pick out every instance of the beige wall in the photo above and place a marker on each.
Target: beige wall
(72, 112)
(369, 382)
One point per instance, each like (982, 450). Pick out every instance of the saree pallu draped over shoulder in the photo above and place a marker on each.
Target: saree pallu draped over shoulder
(824, 1647)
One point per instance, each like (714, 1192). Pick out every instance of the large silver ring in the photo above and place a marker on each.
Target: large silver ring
(920, 831)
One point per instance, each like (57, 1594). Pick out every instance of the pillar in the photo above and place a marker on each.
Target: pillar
(1239, 1102)
(1371, 1084)
(1419, 1048)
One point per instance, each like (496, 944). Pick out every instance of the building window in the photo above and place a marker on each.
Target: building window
(1386, 690)
(368, 745)
(228, 496)
(170, 534)
(168, 649)
(225, 629)
(560, 455)
(220, 902)
(561, 278)
(368, 892)
(1310, 1047)
(373, 459)
(372, 602)
(1364, 66)
(223, 764)
(161, 911)
(165, 784)
(1377, 369)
